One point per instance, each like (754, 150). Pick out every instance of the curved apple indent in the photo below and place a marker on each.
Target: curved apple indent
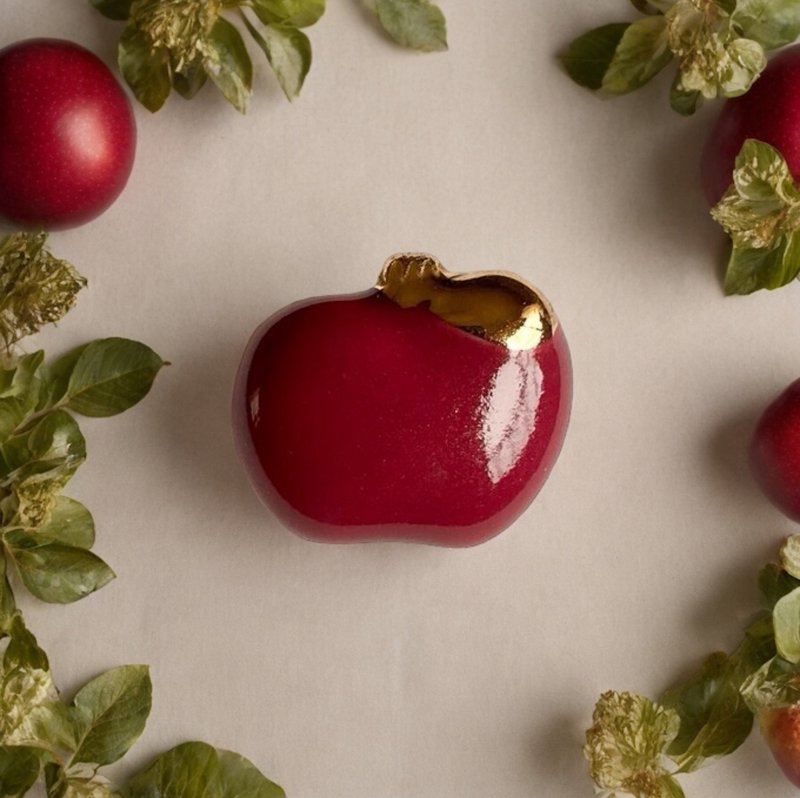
(376, 416)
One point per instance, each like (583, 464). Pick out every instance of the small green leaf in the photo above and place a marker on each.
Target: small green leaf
(773, 584)
(749, 270)
(196, 770)
(228, 64)
(786, 618)
(417, 24)
(19, 392)
(113, 9)
(109, 714)
(188, 83)
(56, 573)
(19, 769)
(19, 380)
(682, 101)
(728, 6)
(51, 450)
(588, 57)
(294, 13)
(772, 23)
(715, 721)
(288, 51)
(774, 684)
(109, 376)
(70, 523)
(147, 72)
(23, 651)
(641, 54)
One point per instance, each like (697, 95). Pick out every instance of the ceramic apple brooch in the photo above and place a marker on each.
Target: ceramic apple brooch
(430, 408)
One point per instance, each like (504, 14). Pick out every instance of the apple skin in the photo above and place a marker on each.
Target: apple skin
(775, 451)
(781, 729)
(67, 134)
(359, 419)
(769, 112)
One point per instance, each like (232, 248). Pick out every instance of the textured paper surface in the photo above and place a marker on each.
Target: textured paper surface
(391, 671)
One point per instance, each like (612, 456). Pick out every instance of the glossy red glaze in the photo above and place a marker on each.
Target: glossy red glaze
(358, 419)
(769, 112)
(67, 134)
(775, 451)
(781, 729)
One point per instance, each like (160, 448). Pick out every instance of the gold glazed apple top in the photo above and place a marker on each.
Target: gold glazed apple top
(497, 306)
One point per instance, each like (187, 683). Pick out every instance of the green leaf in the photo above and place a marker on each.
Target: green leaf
(294, 13)
(728, 6)
(627, 740)
(70, 523)
(773, 584)
(682, 101)
(147, 72)
(188, 83)
(108, 376)
(417, 24)
(19, 392)
(196, 770)
(19, 768)
(786, 619)
(51, 450)
(56, 573)
(113, 9)
(715, 720)
(772, 23)
(288, 51)
(588, 57)
(8, 605)
(22, 651)
(774, 684)
(18, 380)
(228, 64)
(641, 54)
(749, 270)
(109, 714)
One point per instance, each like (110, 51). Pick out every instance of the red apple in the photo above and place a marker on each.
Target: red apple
(769, 112)
(781, 729)
(431, 408)
(67, 134)
(775, 451)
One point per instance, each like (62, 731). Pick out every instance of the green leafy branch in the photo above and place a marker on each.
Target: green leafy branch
(181, 44)
(45, 539)
(719, 47)
(67, 744)
(638, 746)
(761, 213)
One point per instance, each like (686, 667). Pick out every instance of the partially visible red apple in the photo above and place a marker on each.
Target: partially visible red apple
(769, 112)
(781, 729)
(775, 451)
(431, 408)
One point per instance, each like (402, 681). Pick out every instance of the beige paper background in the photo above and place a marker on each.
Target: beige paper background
(392, 671)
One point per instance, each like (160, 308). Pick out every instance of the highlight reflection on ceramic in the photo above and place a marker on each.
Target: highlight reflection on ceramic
(394, 415)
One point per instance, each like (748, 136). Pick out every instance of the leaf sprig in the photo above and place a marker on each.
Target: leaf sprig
(181, 44)
(638, 746)
(761, 213)
(719, 45)
(45, 539)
